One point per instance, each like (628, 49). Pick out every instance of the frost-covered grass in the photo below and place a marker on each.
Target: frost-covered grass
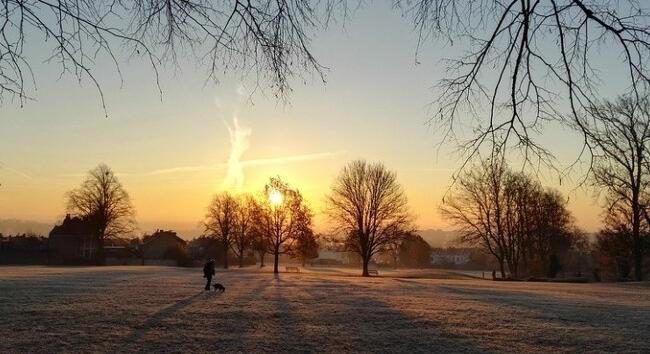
(159, 309)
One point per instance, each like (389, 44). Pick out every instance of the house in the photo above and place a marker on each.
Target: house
(120, 251)
(450, 256)
(72, 242)
(335, 256)
(163, 247)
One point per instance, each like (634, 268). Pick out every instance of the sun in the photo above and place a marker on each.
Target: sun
(275, 197)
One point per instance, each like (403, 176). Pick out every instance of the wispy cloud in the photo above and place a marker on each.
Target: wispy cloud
(245, 163)
(179, 169)
(239, 143)
(4, 166)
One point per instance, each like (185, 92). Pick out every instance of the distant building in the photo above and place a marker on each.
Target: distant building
(450, 256)
(163, 246)
(332, 256)
(120, 251)
(72, 242)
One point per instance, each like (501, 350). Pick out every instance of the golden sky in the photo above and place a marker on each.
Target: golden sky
(172, 152)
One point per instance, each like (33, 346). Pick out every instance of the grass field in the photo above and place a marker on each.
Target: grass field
(159, 309)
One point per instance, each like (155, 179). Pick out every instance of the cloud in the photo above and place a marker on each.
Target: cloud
(244, 163)
(239, 143)
(15, 171)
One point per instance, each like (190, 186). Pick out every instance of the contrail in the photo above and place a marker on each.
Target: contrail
(18, 172)
(239, 143)
(243, 163)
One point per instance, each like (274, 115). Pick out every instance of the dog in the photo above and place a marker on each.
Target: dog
(218, 287)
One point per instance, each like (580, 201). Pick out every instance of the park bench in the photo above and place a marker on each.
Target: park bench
(373, 272)
(292, 269)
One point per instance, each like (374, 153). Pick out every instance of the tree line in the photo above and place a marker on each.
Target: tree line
(276, 222)
(525, 227)
(367, 206)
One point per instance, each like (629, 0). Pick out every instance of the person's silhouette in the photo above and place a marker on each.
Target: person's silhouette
(208, 272)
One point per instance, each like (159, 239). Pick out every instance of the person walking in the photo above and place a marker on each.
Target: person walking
(208, 272)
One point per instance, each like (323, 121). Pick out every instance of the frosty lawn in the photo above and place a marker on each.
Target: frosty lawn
(159, 309)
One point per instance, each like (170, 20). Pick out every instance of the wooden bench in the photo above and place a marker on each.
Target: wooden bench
(292, 269)
(373, 272)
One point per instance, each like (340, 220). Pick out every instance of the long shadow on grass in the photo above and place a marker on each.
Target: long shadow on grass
(285, 326)
(583, 324)
(346, 319)
(240, 318)
(159, 316)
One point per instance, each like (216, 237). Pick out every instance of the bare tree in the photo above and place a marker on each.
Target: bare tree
(244, 218)
(282, 216)
(620, 135)
(477, 208)
(540, 50)
(260, 245)
(306, 246)
(414, 251)
(221, 221)
(393, 250)
(369, 207)
(553, 232)
(269, 38)
(613, 248)
(525, 57)
(104, 203)
(509, 215)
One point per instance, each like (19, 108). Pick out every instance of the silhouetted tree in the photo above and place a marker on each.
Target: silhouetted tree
(393, 251)
(477, 209)
(509, 215)
(281, 217)
(369, 207)
(260, 245)
(104, 203)
(244, 218)
(268, 38)
(619, 133)
(306, 246)
(552, 233)
(526, 56)
(221, 221)
(414, 251)
(613, 251)
(539, 50)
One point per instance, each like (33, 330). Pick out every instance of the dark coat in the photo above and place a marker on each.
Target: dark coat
(208, 269)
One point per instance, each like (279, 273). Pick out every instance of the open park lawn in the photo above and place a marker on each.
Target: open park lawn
(165, 310)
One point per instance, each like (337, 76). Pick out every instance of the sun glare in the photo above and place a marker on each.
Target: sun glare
(275, 197)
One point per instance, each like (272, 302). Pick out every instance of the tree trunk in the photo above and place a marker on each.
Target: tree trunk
(225, 258)
(502, 269)
(638, 259)
(241, 259)
(262, 254)
(366, 260)
(276, 259)
(514, 273)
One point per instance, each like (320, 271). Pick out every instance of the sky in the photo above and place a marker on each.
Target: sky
(172, 152)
